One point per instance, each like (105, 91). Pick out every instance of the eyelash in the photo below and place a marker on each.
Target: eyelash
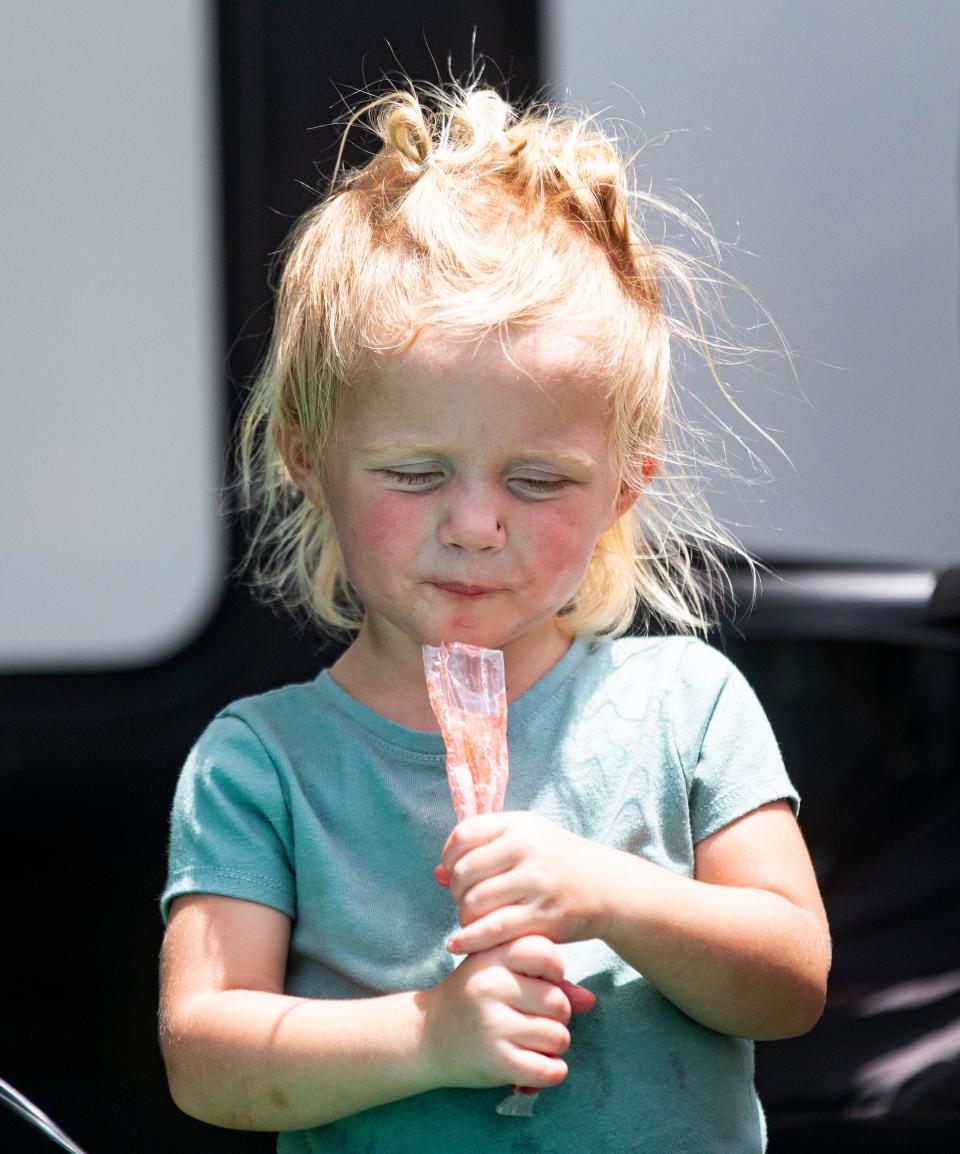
(429, 479)
(412, 480)
(543, 484)
(527, 486)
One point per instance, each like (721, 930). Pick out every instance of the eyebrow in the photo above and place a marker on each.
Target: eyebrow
(562, 457)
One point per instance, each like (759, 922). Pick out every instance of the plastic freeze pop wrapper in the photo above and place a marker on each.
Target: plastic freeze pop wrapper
(469, 697)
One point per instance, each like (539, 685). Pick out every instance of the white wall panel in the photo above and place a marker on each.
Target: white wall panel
(822, 137)
(111, 434)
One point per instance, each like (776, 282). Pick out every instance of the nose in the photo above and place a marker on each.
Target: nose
(471, 520)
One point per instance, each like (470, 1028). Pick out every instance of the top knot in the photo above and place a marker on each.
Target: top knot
(456, 130)
(403, 127)
(564, 173)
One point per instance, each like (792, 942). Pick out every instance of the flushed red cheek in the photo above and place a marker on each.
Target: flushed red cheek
(562, 551)
(379, 533)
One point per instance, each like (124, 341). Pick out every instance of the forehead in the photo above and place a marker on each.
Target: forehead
(541, 373)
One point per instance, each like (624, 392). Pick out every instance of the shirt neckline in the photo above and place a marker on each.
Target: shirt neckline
(422, 741)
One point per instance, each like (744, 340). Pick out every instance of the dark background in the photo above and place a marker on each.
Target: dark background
(868, 713)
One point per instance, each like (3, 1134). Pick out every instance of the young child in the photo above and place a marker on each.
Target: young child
(463, 432)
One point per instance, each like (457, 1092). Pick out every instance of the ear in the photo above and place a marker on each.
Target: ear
(628, 497)
(625, 501)
(290, 443)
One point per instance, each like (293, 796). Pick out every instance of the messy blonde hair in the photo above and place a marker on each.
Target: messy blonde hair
(473, 217)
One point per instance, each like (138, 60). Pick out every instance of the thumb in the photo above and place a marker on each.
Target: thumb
(580, 998)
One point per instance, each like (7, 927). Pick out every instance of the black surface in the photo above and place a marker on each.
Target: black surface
(871, 734)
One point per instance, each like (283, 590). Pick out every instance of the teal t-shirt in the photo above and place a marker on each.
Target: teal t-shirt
(307, 801)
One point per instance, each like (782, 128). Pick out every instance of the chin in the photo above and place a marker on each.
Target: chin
(470, 628)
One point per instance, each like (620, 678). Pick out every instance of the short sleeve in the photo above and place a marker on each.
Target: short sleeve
(230, 831)
(730, 755)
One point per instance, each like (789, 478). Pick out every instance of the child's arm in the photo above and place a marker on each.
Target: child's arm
(744, 948)
(240, 1053)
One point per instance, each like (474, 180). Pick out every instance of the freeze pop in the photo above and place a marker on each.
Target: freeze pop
(468, 695)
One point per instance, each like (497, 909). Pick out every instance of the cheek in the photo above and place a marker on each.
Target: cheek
(563, 544)
(373, 533)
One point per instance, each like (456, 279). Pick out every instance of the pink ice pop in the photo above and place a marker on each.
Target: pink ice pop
(468, 695)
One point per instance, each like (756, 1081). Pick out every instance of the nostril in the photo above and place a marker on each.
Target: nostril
(472, 531)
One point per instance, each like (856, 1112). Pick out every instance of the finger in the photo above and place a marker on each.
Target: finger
(534, 956)
(493, 893)
(539, 1071)
(580, 998)
(541, 999)
(543, 1035)
(498, 928)
(441, 877)
(478, 864)
(470, 833)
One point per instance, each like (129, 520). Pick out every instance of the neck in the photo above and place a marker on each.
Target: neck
(390, 679)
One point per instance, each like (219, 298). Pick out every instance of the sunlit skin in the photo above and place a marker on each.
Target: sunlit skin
(468, 484)
(468, 489)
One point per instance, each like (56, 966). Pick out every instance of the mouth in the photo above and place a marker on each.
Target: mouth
(463, 589)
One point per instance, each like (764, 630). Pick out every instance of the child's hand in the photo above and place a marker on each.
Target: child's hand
(513, 874)
(500, 1018)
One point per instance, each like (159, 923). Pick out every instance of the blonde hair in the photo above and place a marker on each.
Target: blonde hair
(473, 217)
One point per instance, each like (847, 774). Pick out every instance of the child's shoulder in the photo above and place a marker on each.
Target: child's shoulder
(669, 659)
(281, 706)
(686, 676)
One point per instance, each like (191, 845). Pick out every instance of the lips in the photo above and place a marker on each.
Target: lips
(462, 589)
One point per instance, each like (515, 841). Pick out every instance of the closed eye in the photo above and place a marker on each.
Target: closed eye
(413, 480)
(541, 485)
